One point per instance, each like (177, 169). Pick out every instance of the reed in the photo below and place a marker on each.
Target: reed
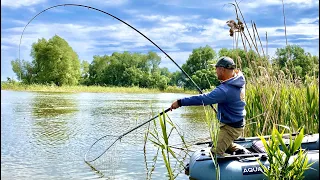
(160, 137)
(213, 125)
(281, 103)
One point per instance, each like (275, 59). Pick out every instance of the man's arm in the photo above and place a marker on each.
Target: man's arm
(215, 96)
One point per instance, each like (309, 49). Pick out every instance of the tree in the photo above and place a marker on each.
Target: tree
(23, 70)
(248, 62)
(153, 61)
(129, 69)
(84, 73)
(197, 61)
(97, 69)
(294, 58)
(176, 79)
(54, 61)
(205, 78)
(16, 68)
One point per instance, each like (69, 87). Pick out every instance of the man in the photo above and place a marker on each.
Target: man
(230, 96)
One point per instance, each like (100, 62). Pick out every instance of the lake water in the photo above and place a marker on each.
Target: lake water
(46, 135)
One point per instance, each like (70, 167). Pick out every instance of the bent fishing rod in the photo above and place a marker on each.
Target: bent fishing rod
(89, 7)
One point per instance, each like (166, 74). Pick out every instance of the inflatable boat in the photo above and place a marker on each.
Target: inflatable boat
(244, 165)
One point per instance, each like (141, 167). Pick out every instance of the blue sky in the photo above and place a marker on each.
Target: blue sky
(177, 26)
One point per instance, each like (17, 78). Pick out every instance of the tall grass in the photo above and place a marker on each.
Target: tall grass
(283, 104)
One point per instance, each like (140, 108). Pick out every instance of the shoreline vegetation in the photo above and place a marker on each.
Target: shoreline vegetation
(16, 86)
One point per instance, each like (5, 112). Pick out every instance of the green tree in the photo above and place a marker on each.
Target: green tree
(129, 69)
(96, 69)
(85, 72)
(16, 68)
(297, 61)
(176, 79)
(23, 70)
(54, 61)
(248, 62)
(205, 78)
(197, 61)
(153, 61)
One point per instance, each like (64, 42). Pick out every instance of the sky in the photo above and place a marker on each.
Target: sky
(176, 26)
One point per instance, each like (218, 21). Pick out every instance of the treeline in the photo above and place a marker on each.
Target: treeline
(55, 62)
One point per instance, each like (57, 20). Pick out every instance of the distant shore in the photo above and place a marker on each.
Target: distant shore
(82, 88)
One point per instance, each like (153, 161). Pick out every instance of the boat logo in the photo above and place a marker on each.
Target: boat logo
(253, 169)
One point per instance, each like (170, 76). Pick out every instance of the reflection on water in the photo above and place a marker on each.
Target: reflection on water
(45, 135)
(50, 105)
(195, 114)
(48, 128)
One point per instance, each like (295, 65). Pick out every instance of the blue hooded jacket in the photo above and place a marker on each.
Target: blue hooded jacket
(230, 96)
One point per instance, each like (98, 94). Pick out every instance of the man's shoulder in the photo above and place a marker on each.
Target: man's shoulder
(223, 87)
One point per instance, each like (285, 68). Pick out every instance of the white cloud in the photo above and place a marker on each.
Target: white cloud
(308, 2)
(216, 30)
(179, 57)
(159, 18)
(201, 4)
(32, 9)
(162, 18)
(308, 20)
(20, 3)
(5, 47)
(265, 3)
(311, 30)
(99, 3)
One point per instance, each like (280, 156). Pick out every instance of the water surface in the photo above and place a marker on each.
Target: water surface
(45, 135)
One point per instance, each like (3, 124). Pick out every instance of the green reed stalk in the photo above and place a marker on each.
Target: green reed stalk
(160, 138)
(281, 103)
(213, 125)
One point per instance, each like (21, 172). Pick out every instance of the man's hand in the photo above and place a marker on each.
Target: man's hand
(174, 105)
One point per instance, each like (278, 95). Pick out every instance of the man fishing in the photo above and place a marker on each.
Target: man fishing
(230, 96)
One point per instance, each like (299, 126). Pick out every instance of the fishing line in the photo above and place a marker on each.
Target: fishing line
(96, 9)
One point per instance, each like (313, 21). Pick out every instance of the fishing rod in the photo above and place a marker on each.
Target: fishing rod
(89, 7)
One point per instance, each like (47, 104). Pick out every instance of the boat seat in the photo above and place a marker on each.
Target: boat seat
(258, 146)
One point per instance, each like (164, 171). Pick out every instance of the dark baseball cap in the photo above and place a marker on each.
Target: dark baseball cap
(225, 62)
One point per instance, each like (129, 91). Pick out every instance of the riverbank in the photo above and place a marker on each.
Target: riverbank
(81, 88)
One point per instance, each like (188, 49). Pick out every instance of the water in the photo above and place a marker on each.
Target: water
(45, 135)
